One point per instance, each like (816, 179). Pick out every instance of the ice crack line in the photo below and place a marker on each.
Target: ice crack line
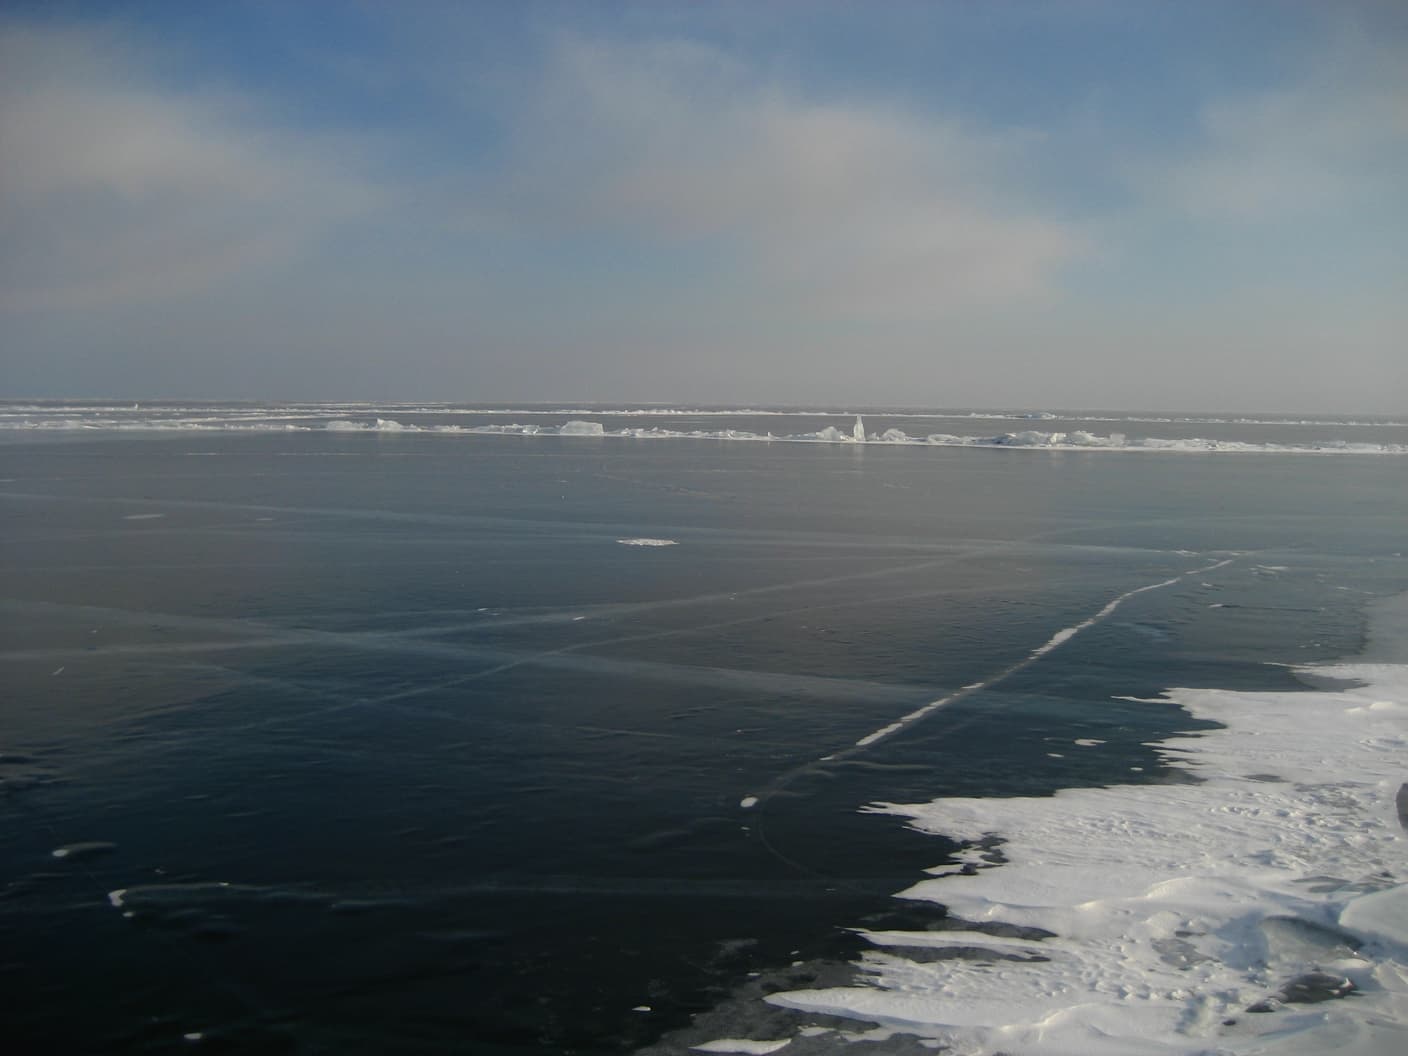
(1057, 640)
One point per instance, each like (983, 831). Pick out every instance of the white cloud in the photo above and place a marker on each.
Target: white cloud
(1336, 138)
(113, 189)
(853, 209)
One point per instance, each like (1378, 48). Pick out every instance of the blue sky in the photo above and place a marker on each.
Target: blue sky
(1089, 203)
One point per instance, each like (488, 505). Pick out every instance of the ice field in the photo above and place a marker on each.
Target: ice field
(445, 735)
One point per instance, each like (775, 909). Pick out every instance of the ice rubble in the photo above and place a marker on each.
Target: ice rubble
(316, 419)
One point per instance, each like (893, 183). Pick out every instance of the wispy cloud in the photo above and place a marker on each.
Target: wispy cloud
(1329, 140)
(113, 189)
(850, 207)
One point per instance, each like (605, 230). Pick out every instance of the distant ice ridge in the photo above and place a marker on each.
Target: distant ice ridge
(1224, 916)
(1076, 440)
(23, 414)
(343, 418)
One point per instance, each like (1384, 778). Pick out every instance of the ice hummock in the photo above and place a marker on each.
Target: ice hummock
(581, 428)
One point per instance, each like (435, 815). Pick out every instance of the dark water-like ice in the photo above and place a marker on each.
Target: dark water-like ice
(388, 743)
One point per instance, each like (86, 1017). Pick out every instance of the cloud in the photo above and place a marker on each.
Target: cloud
(1335, 138)
(114, 189)
(848, 208)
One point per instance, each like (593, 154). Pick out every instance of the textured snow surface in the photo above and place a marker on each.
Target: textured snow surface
(1177, 907)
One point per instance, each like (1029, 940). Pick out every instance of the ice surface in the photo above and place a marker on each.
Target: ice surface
(1178, 907)
(361, 418)
(1380, 915)
(579, 428)
(1058, 639)
(758, 1048)
(643, 541)
(81, 850)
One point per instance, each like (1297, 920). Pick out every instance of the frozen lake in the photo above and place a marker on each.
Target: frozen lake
(321, 734)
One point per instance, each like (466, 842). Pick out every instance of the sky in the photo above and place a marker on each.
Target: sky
(1120, 204)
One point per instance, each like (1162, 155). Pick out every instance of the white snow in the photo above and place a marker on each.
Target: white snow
(1177, 906)
(757, 1048)
(1381, 915)
(644, 541)
(376, 425)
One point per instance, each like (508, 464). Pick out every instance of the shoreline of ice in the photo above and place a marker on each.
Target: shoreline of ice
(1028, 439)
(297, 409)
(1230, 914)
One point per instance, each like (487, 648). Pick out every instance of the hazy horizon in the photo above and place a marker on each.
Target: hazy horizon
(567, 405)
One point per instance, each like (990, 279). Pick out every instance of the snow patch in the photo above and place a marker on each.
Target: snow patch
(743, 1045)
(1177, 908)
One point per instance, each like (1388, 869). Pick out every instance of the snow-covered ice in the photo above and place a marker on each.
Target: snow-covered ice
(1180, 911)
(742, 1045)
